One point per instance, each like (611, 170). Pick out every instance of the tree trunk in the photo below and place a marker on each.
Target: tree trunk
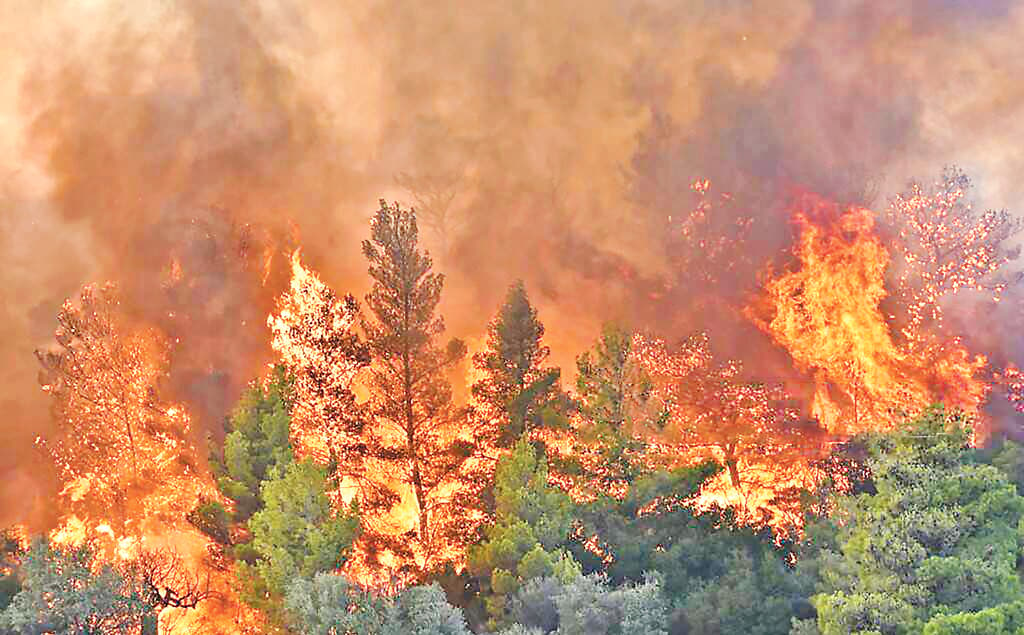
(424, 529)
(131, 440)
(731, 465)
(410, 431)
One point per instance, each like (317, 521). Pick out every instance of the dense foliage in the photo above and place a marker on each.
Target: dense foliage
(69, 591)
(529, 535)
(939, 538)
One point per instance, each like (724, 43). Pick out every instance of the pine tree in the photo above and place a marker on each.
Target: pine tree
(532, 526)
(934, 548)
(517, 391)
(313, 334)
(256, 443)
(417, 434)
(296, 534)
(615, 405)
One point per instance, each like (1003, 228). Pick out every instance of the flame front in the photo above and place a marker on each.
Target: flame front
(864, 336)
(305, 331)
(826, 313)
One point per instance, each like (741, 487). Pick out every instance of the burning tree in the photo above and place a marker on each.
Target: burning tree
(313, 333)
(164, 580)
(418, 436)
(945, 246)
(705, 241)
(437, 179)
(826, 313)
(517, 392)
(1012, 378)
(750, 428)
(433, 195)
(118, 437)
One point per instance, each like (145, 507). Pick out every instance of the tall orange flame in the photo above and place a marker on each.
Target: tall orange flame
(826, 313)
(307, 328)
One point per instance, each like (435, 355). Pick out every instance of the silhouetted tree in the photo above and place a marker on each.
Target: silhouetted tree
(417, 434)
(517, 393)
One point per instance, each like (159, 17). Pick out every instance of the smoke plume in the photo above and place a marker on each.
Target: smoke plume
(182, 148)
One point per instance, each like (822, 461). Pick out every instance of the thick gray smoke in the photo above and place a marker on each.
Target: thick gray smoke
(548, 141)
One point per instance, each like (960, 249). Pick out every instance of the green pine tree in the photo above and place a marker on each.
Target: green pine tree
(296, 533)
(940, 536)
(531, 529)
(257, 441)
(517, 391)
(616, 407)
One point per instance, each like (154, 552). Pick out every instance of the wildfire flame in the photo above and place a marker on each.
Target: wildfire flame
(129, 476)
(752, 429)
(826, 313)
(306, 329)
